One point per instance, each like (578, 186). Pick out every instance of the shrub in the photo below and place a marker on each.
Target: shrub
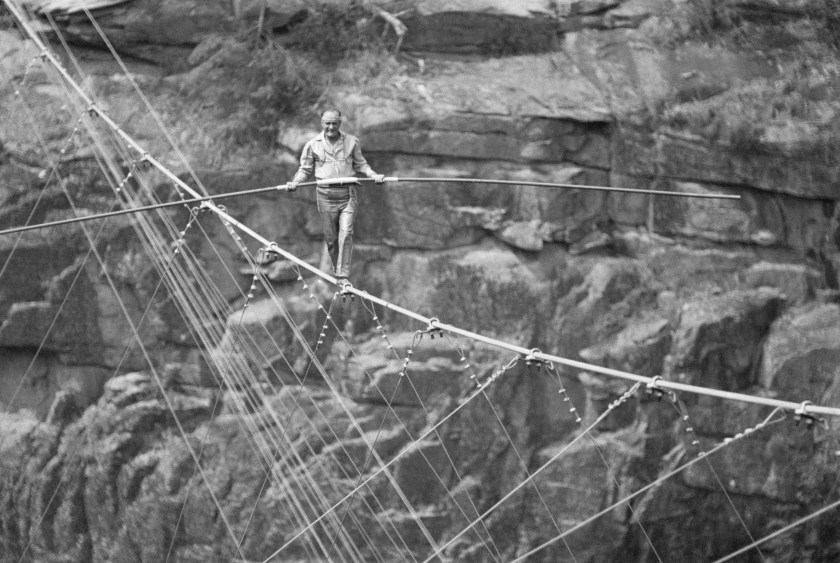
(7, 21)
(333, 32)
(249, 83)
(826, 17)
(710, 17)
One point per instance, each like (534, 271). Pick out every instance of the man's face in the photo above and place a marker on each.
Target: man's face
(331, 122)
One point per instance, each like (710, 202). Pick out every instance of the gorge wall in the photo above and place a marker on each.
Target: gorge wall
(733, 97)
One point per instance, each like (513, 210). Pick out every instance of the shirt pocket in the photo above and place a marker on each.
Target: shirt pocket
(317, 157)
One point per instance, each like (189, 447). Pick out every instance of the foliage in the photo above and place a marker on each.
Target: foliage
(7, 21)
(707, 18)
(720, 22)
(249, 83)
(798, 112)
(826, 16)
(795, 111)
(333, 32)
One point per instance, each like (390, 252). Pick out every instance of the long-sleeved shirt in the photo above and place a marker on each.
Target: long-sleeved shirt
(332, 160)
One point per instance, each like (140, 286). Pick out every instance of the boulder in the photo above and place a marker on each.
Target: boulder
(491, 289)
(420, 383)
(378, 373)
(686, 269)
(261, 336)
(460, 214)
(533, 95)
(640, 347)
(801, 357)
(423, 474)
(67, 323)
(757, 218)
(687, 157)
(584, 477)
(797, 282)
(717, 339)
(774, 467)
(595, 298)
(134, 23)
(714, 523)
(523, 235)
(480, 26)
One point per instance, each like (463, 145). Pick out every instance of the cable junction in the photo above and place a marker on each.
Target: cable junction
(801, 408)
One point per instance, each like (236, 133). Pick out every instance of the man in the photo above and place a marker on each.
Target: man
(333, 154)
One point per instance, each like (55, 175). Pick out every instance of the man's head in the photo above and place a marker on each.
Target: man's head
(331, 123)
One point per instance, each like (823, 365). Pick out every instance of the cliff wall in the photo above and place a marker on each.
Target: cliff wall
(730, 97)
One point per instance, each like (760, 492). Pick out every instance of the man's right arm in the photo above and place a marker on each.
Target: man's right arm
(307, 167)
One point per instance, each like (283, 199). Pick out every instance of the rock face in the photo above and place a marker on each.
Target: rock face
(299, 402)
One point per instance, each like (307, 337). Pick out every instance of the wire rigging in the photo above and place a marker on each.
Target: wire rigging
(612, 406)
(769, 421)
(235, 373)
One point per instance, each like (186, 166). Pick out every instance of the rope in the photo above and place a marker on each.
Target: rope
(383, 466)
(540, 469)
(404, 374)
(157, 379)
(87, 429)
(780, 531)
(392, 461)
(765, 423)
(365, 463)
(682, 411)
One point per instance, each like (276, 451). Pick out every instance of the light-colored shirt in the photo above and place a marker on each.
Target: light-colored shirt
(332, 160)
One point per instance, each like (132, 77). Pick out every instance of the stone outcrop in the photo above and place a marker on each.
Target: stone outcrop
(717, 340)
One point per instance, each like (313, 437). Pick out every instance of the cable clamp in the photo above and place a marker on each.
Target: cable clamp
(801, 413)
(653, 389)
(531, 359)
(146, 161)
(44, 55)
(92, 110)
(434, 330)
(268, 254)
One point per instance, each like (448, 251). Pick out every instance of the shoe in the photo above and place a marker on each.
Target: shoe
(269, 257)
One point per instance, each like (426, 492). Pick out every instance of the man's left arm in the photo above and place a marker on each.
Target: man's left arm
(360, 165)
